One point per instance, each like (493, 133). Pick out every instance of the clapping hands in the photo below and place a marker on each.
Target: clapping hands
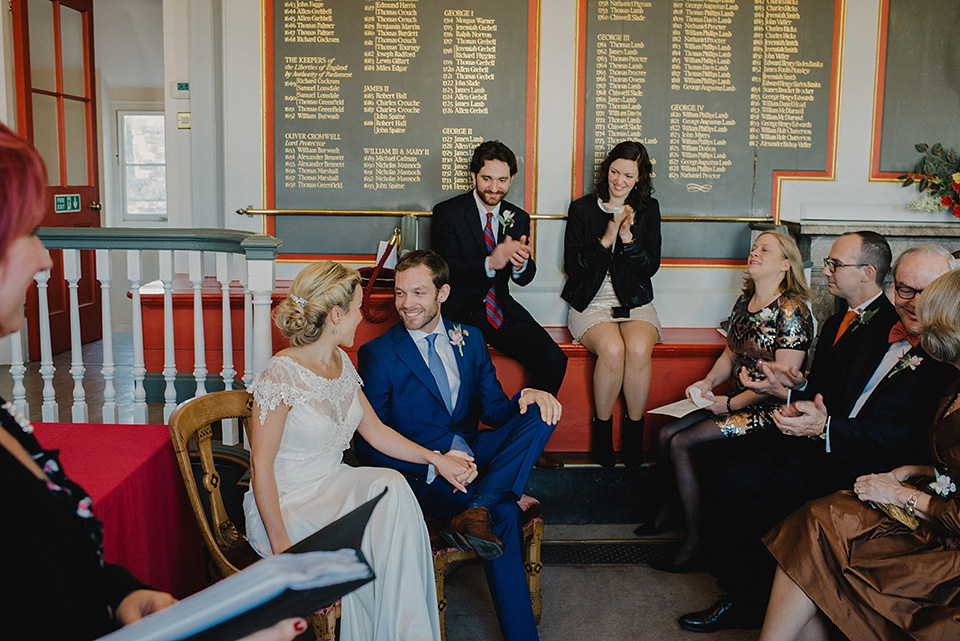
(779, 379)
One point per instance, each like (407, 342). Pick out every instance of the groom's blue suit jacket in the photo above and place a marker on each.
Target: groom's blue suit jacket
(405, 395)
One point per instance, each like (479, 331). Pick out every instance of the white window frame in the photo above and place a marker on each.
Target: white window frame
(125, 216)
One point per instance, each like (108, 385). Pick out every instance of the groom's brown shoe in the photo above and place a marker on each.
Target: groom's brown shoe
(471, 529)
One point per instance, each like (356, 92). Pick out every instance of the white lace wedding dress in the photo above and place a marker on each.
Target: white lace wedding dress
(316, 488)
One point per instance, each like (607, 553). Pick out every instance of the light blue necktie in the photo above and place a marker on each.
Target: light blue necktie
(439, 372)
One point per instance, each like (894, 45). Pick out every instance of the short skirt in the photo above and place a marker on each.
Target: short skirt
(600, 310)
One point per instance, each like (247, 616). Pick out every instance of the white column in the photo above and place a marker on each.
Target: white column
(261, 274)
(105, 276)
(135, 274)
(229, 428)
(247, 327)
(17, 370)
(50, 412)
(169, 361)
(199, 355)
(71, 273)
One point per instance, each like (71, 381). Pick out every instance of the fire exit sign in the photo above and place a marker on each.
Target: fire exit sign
(66, 203)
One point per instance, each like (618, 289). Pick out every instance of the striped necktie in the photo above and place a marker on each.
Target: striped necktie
(494, 315)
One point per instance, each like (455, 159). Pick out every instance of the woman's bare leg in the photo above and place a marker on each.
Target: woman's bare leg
(605, 341)
(639, 337)
(791, 615)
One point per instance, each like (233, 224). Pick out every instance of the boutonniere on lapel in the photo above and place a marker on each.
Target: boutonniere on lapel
(506, 219)
(764, 316)
(456, 337)
(907, 360)
(862, 319)
(943, 484)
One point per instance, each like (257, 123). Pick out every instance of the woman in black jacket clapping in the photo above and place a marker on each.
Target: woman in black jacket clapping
(611, 250)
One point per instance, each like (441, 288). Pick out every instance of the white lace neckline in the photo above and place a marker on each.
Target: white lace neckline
(300, 365)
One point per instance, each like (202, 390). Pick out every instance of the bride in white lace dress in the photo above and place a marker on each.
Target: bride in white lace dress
(307, 405)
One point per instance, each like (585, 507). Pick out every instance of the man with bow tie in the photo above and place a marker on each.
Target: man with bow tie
(865, 408)
(486, 242)
(432, 380)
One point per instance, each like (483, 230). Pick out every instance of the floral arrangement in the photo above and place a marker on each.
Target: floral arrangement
(907, 360)
(506, 219)
(943, 485)
(764, 316)
(937, 173)
(863, 317)
(456, 336)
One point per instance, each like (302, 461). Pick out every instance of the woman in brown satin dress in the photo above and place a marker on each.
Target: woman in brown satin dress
(845, 561)
(770, 321)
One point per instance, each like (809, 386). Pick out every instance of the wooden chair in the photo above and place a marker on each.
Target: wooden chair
(443, 555)
(228, 550)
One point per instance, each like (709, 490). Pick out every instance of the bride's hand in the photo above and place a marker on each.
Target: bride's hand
(457, 468)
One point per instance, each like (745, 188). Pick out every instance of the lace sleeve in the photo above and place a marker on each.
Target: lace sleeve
(347, 363)
(276, 385)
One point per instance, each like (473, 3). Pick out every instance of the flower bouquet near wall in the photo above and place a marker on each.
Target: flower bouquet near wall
(937, 173)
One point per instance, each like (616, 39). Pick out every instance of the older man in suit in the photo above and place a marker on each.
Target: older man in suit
(874, 392)
(432, 381)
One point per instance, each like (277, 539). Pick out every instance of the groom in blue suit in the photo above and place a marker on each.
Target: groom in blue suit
(433, 381)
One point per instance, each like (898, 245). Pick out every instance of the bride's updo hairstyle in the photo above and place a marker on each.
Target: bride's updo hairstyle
(316, 290)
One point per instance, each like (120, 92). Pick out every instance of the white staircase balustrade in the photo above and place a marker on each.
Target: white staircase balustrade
(249, 258)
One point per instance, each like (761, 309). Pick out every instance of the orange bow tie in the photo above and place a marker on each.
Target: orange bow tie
(899, 333)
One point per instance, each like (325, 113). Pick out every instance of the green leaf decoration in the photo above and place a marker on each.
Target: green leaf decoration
(907, 181)
(923, 184)
(937, 149)
(921, 147)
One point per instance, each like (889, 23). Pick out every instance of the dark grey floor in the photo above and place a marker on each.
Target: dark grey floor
(595, 602)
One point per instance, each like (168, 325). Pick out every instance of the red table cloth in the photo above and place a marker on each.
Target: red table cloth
(131, 474)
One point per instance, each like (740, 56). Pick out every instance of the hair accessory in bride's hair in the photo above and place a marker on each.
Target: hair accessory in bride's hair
(302, 302)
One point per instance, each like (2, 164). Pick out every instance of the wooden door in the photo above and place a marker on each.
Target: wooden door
(56, 110)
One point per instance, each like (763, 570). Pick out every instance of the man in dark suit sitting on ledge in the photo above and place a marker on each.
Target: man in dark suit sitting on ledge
(486, 242)
(874, 392)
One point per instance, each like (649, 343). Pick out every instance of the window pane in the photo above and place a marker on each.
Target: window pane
(71, 51)
(146, 190)
(75, 133)
(45, 134)
(42, 70)
(143, 139)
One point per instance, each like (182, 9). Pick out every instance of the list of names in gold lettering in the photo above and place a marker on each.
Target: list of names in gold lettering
(623, 10)
(469, 58)
(311, 87)
(392, 167)
(780, 92)
(456, 149)
(701, 48)
(308, 21)
(621, 74)
(390, 109)
(391, 35)
(698, 143)
(312, 161)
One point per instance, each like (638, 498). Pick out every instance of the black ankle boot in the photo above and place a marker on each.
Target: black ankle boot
(601, 442)
(632, 437)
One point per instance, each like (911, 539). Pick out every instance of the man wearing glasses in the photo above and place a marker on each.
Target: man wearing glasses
(867, 405)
